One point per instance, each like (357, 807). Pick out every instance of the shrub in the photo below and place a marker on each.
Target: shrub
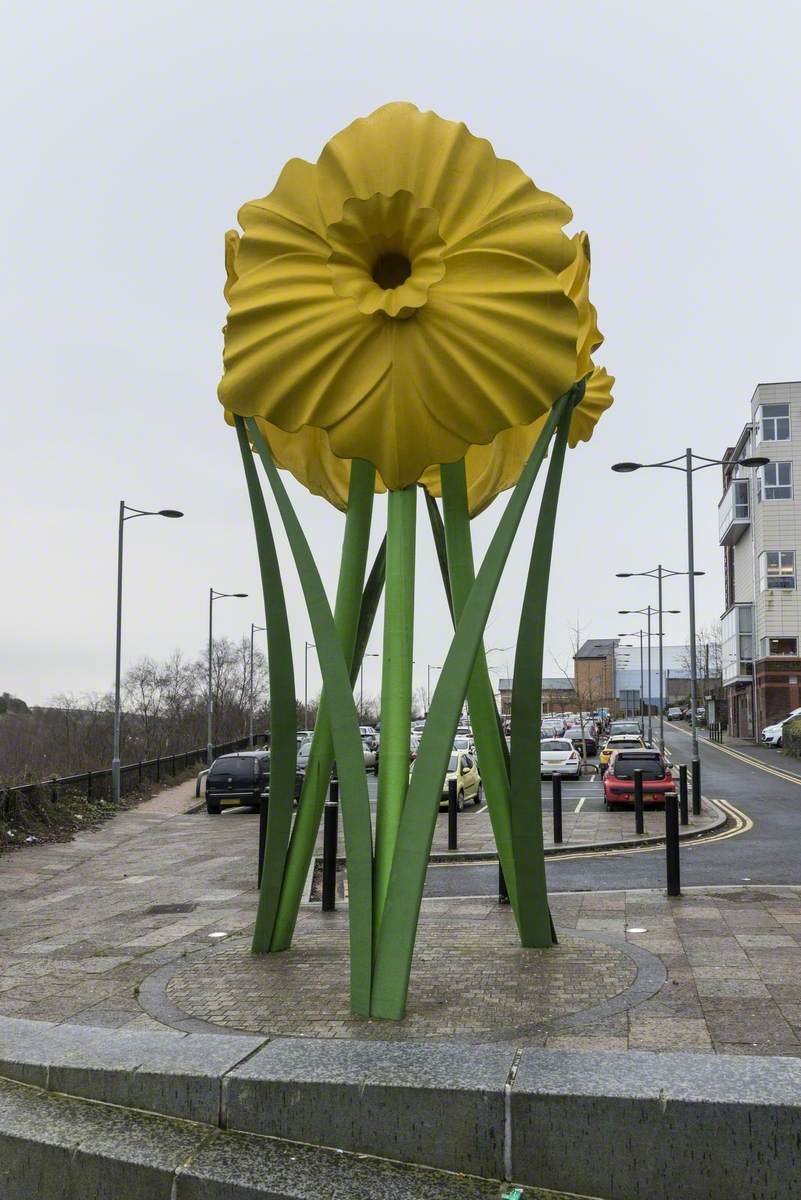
(791, 737)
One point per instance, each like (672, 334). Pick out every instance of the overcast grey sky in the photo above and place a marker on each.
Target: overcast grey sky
(133, 132)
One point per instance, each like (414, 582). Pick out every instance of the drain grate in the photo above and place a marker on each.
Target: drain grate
(157, 909)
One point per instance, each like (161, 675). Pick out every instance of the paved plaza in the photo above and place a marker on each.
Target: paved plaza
(144, 923)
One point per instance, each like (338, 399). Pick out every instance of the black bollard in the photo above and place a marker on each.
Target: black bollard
(684, 814)
(263, 805)
(639, 816)
(672, 846)
(696, 777)
(556, 786)
(330, 835)
(453, 816)
(503, 895)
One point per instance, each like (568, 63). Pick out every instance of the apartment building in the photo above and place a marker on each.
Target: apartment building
(759, 519)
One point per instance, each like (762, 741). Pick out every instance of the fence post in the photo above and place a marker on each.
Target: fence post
(556, 788)
(140, 770)
(330, 837)
(684, 812)
(503, 894)
(672, 846)
(158, 768)
(639, 822)
(452, 816)
(696, 777)
(88, 785)
(173, 766)
(54, 790)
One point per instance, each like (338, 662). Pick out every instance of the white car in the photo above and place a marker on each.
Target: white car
(772, 734)
(558, 755)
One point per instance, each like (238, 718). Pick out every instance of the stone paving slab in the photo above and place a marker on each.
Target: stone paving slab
(87, 926)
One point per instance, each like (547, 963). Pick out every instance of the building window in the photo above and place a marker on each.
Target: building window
(777, 569)
(773, 423)
(778, 645)
(777, 478)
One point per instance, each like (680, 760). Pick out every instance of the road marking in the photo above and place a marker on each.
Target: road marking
(580, 804)
(746, 758)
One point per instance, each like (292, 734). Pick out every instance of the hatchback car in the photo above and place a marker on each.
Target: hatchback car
(558, 756)
(237, 779)
(619, 741)
(462, 767)
(657, 777)
(582, 740)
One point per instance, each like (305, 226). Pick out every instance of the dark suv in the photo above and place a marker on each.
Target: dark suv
(238, 779)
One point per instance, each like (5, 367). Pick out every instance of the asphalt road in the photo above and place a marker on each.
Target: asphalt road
(768, 853)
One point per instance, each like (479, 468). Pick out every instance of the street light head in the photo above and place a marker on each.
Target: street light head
(240, 595)
(169, 512)
(756, 461)
(623, 468)
(625, 612)
(623, 574)
(671, 610)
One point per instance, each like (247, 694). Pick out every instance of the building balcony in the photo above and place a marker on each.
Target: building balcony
(734, 512)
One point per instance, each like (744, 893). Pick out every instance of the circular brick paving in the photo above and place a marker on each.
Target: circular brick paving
(470, 978)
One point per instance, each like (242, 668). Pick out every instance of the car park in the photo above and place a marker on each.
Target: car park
(619, 741)
(236, 780)
(657, 778)
(558, 756)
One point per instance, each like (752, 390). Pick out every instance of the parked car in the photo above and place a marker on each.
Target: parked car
(674, 713)
(559, 756)
(625, 726)
(657, 777)
(237, 779)
(463, 742)
(462, 767)
(582, 740)
(414, 746)
(304, 750)
(772, 734)
(370, 754)
(619, 741)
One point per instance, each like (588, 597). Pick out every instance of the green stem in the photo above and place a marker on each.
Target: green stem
(345, 732)
(283, 749)
(395, 947)
(526, 793)
(396, 688)
(353, 616)
(490, 743)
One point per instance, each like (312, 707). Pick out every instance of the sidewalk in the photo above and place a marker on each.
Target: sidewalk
(768, 756)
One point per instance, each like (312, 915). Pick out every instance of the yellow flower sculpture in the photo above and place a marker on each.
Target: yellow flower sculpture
(307, 453)
(402, 294)
(495, 468)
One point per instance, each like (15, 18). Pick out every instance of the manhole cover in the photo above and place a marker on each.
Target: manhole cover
(157, 909)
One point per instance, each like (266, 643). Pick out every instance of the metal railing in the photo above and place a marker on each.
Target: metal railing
(96, 785)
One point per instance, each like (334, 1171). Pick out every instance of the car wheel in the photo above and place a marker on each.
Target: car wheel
(479, 795)
(778, 743)
(460, 802)
(212, 809)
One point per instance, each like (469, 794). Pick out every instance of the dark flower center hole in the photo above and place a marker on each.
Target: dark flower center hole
(392, 269)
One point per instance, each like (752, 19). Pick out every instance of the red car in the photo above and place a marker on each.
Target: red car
(657, 778)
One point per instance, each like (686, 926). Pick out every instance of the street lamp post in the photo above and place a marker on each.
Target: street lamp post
(306, 647)
(649, 611)
(688, 459)
(658, 573)
(253, 629)
(210, 730)
(429, 668)
(367, 654)
(131, 513)
(640, 633)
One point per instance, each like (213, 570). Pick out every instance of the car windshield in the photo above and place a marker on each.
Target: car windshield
(452, 763)
(625, 727)
(555, 744)
(625, 739)
(650, 765)
(461, 743)
(241, 770)
(305, 747)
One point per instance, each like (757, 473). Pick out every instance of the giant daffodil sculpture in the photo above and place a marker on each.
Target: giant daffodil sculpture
(407, 311)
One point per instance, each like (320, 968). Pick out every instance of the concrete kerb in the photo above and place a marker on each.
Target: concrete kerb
(640, 1124)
